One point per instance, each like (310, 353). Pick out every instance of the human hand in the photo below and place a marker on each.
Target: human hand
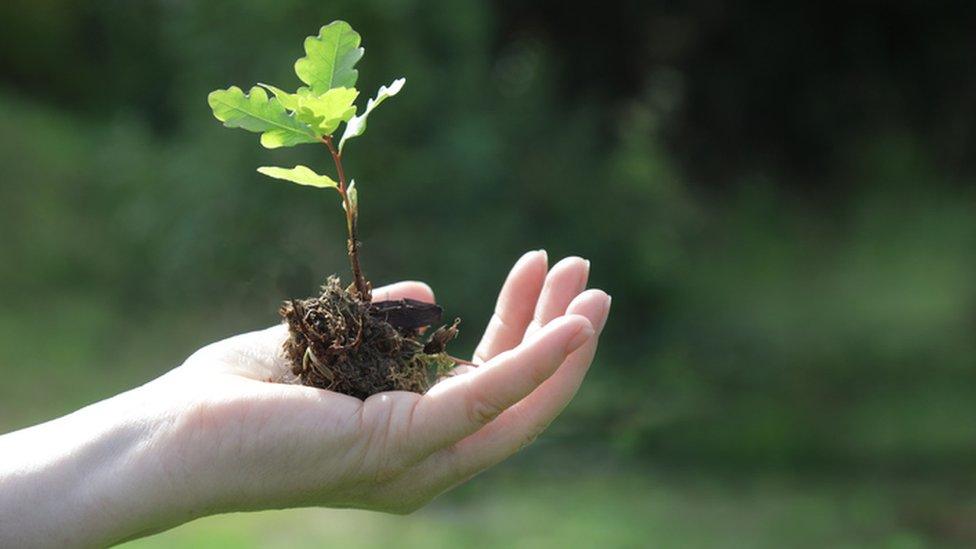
(213, 435)
(252, 444)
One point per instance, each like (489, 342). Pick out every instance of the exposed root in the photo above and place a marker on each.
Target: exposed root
(341, 343)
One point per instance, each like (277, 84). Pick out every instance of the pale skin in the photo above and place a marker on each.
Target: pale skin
(214, 436)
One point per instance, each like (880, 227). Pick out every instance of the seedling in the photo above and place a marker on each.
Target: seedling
(339, 340)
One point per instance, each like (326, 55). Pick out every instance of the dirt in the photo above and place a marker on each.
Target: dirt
(341, 343)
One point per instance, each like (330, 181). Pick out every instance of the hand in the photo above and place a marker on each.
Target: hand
(222, 438)
(261, 445)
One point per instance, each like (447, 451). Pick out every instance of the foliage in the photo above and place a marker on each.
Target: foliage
(330, 58)
(356, 126)
(313, 112)
(255, 112)
(301, 175)
(316, 111)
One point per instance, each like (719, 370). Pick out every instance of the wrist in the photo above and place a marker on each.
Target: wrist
(88, 478)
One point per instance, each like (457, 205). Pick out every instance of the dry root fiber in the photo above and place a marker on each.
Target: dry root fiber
(344, 344)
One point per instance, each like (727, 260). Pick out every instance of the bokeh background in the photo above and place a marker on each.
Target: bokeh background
(780, 198)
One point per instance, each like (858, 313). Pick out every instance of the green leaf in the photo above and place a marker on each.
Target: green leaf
(256, 113)
(301, 175)
(287, 100)
(323, 113)
(330, 58)
(357, 124)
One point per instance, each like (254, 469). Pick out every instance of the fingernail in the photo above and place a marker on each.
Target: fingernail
(581, 337)
(527, 256)
(545, 256)
(599, 321)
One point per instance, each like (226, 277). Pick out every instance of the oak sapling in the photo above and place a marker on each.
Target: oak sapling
(340, 340)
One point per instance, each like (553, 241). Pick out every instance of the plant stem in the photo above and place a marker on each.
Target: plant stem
(352, 217)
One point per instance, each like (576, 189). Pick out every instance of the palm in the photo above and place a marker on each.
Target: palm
(293, 445)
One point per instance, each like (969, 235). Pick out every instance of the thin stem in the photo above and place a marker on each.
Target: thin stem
(352, 217)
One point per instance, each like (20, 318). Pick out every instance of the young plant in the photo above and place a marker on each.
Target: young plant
(312, 114)
(339, 340)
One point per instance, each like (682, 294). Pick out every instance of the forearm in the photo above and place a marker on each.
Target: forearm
(89, 478)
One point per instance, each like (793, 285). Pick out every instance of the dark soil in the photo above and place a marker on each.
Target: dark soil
(344, 344)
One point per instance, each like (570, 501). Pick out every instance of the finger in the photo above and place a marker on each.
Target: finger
(461, 405)
(516, 303)
(409, 289)
(521, 423)
(563, 283)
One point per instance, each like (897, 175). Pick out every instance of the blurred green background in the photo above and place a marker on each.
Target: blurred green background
(779, 197)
